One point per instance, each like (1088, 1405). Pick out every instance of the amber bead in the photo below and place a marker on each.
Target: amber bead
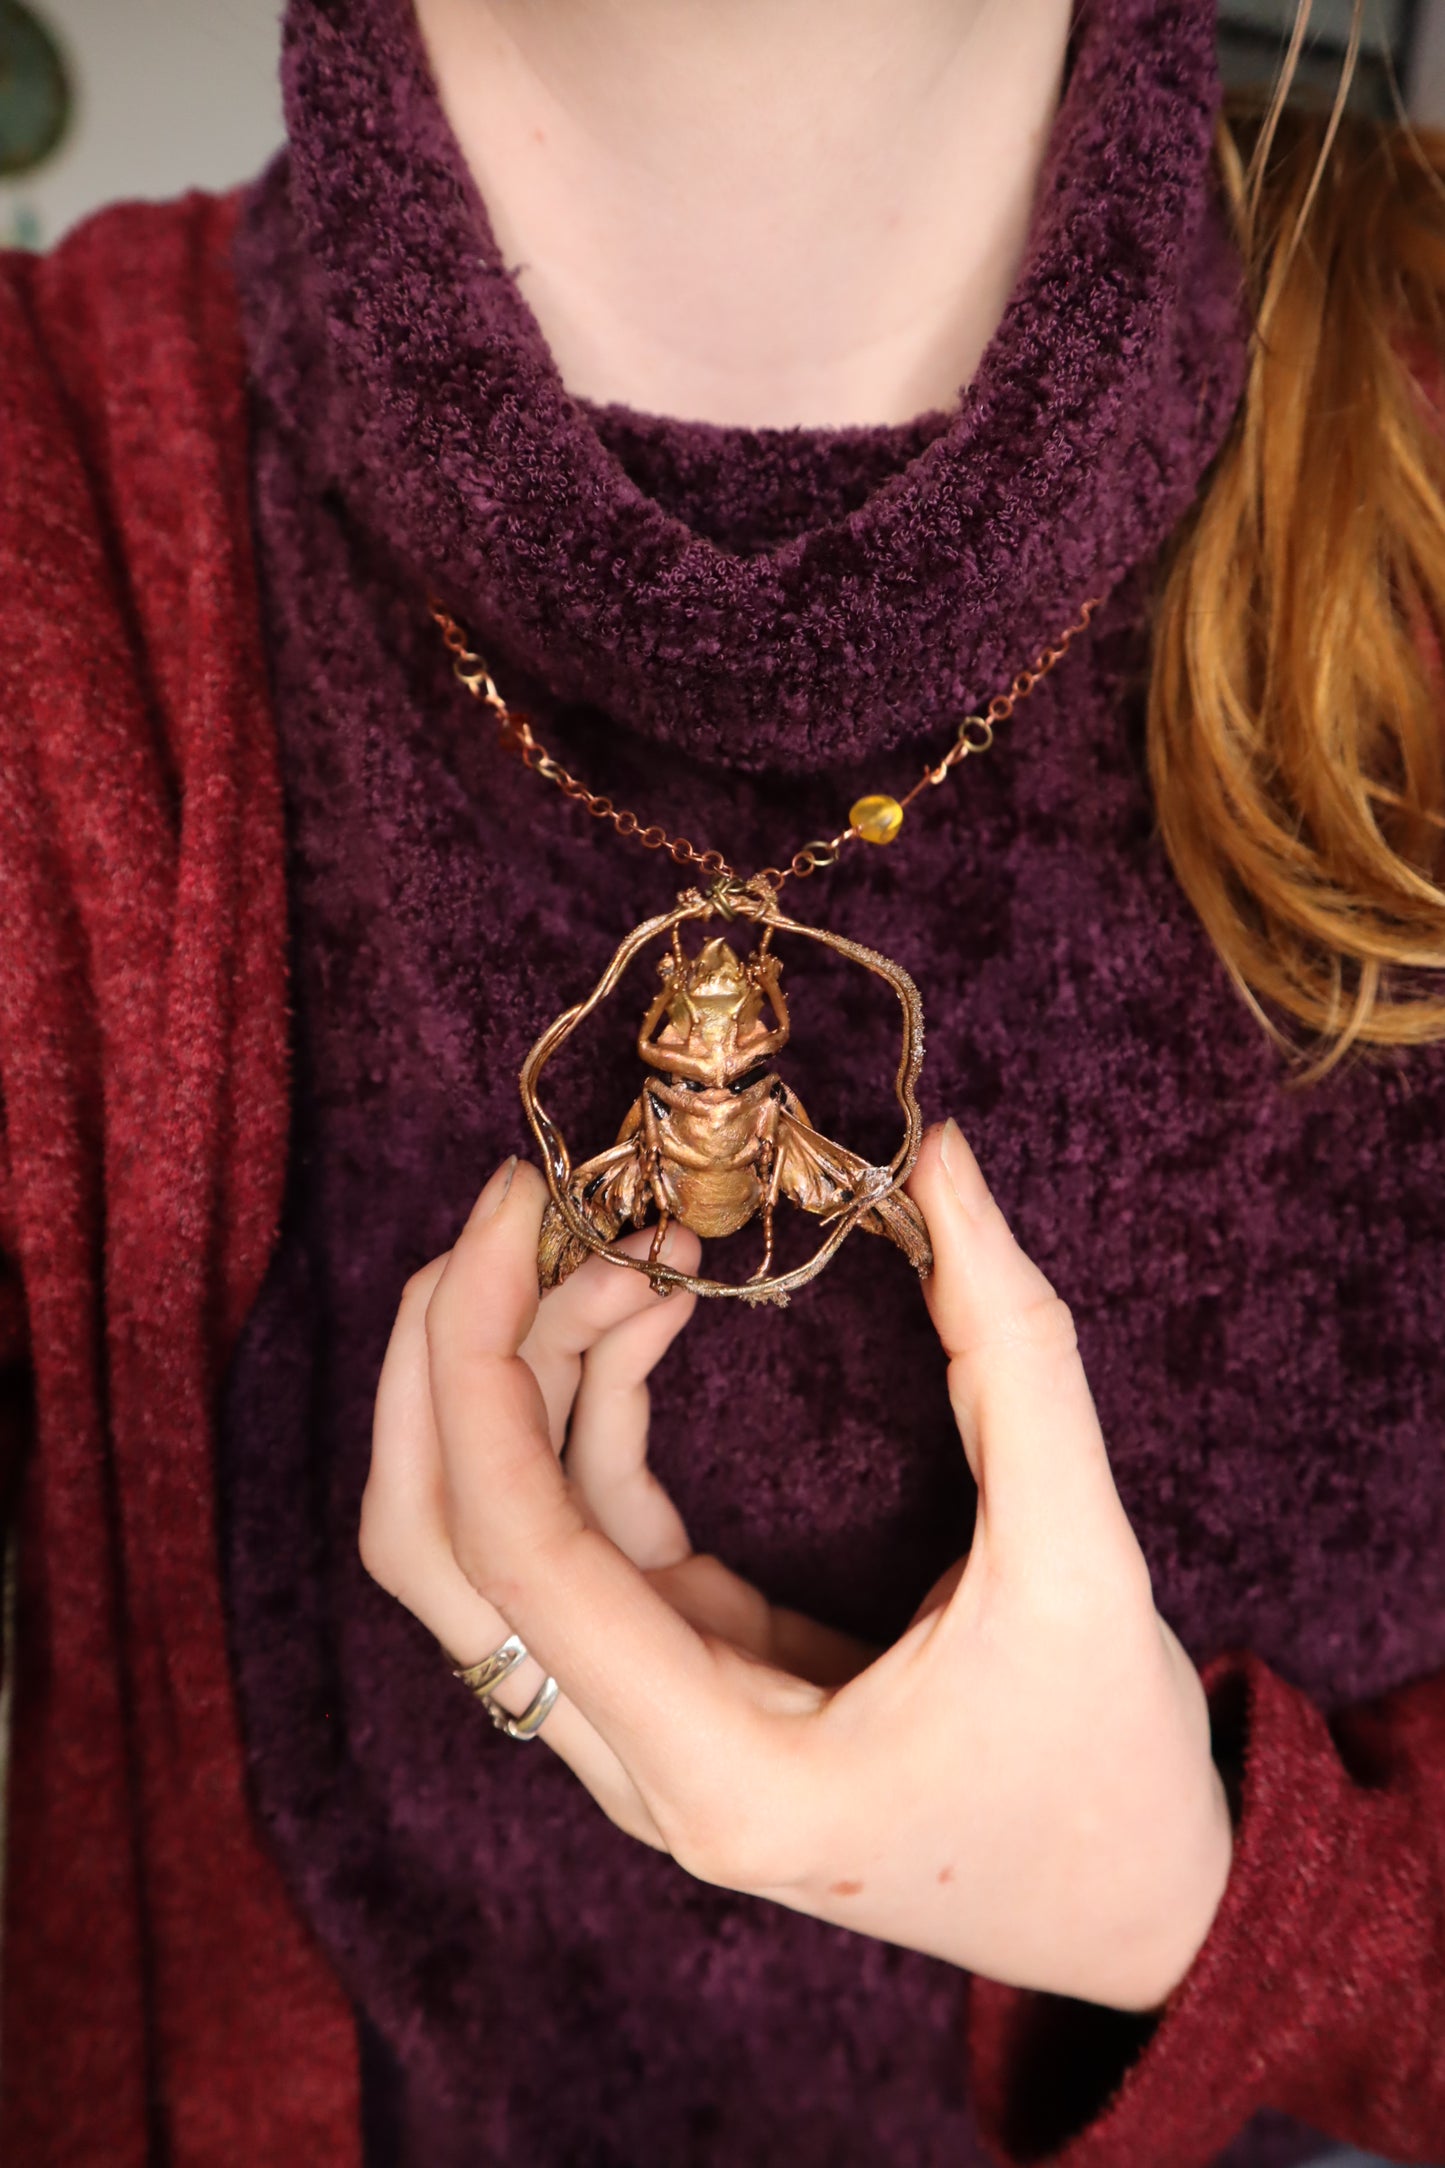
(876, 820)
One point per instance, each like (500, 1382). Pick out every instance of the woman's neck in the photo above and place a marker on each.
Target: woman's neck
(757, 212)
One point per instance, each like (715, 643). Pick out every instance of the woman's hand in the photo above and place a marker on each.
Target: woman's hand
(1021, 1785)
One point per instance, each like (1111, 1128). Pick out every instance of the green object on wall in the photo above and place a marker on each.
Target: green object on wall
(35, 98)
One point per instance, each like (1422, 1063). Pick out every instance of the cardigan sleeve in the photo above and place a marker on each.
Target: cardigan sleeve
(15, 1401)
(160, 1994)
(1320, 1989)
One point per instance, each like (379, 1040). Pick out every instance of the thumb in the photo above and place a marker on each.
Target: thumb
(1047, 1500)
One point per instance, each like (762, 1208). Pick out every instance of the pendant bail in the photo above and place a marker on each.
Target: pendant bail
(732, 897)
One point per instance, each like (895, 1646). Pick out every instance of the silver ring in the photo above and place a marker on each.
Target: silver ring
(482, 1677)
(491, 1671)
(533, 1717)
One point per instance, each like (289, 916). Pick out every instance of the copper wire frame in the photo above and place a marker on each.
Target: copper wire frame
(757, 902)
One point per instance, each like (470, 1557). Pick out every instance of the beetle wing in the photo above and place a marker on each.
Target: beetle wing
(816, 1174)
(822, 1177)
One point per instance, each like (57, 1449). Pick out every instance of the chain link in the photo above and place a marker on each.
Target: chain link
(975, 734)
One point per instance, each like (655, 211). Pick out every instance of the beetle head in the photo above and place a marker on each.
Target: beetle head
(714, 983)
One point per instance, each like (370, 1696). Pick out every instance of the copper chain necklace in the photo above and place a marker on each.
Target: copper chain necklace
(715, 1138)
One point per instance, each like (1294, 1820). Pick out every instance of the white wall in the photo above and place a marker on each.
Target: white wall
(170, 94)
(176, 93)
(1427, 68)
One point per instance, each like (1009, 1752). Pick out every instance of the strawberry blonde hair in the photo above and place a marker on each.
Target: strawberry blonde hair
(1297, 700)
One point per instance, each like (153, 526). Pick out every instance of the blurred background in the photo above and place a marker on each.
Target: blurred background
(163, 95)
(108, 98)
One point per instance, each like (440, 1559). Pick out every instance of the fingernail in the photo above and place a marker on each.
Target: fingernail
(494, 1196)
(965, 1176)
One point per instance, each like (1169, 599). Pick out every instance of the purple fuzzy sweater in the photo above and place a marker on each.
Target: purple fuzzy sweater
(738, 631)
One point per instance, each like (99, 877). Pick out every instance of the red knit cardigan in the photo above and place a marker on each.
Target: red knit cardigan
(161, 1997)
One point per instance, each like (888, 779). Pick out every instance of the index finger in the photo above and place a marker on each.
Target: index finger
(636, 1669)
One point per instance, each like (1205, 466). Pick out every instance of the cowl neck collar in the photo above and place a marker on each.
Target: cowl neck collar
(764, 599)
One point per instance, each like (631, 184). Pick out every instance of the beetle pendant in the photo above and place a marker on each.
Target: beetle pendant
(716, 1138)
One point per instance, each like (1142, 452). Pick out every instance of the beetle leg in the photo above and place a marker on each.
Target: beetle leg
(770, 1174)
(767, 1158)
(652, 1132)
